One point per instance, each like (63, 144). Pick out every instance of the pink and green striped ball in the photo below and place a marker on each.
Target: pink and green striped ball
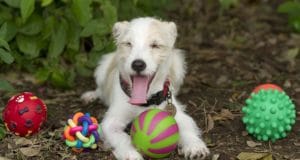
(155, 133)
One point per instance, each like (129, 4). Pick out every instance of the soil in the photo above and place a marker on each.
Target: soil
(228, 54)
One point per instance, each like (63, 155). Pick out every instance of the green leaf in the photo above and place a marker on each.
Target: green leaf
(296, 24)
(81, 65)
(93, 60)
(8, 31)
(6, 86)
(5, 14)
(42, 74)
(226, 4)
(290, 7)
(99, 42)
(33, 26)
(74, 37)
(71, 77)
(46, 3)
(135, 2)
(49, 27)
(2, 129)
(13, 3)
(62, 79)
(82, 70)
(6, 56)
(2, 132)
(58, 79)
(109, 12)
(29, 45)
(82, 10)
(58, 40)
(4, 44)
(27, 8)
(96, 26)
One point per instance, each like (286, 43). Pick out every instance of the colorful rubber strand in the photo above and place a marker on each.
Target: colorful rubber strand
(82, 132)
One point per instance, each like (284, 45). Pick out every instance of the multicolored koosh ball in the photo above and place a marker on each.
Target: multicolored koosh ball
(82, 132)
(155, 133)
(269, 113)
(24, 114)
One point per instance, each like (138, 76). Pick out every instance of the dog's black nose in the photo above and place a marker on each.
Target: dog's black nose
(138, 65)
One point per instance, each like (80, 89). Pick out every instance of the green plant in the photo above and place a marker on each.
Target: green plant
(226, 4)
(58, 39)
(292, 9)
(6, 86)
(2, 129)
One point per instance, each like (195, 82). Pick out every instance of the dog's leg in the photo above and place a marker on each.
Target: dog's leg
(190, 143)
(113, 131)
(91, 96)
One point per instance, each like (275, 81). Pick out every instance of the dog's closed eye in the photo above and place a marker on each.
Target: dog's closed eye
(127, 44)
(155, 45)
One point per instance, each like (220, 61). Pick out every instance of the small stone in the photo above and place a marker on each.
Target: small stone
(277, 147)
(287, 157)
(244, 133)
(297, 143)
(287, 84)
(215, 157)
(9, 146)
(253, 144)
(297, 89)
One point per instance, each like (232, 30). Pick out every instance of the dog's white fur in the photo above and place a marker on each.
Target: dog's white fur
(152, 41)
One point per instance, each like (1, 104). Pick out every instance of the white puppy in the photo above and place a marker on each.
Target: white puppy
(135, 78)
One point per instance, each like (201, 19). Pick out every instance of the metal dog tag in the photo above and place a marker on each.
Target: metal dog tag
(170, 107)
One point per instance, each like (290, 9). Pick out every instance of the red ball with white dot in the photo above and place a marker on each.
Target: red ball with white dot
(24, 114)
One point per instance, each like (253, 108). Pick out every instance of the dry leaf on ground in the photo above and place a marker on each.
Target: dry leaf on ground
(254, 156)
(215, 157)
(224, 115)
(23, 141)
(30, 151)
(210, 123)
(3, 158)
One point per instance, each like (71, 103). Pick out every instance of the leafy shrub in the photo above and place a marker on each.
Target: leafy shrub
(2, 128)
(58, 39)
(226, 4)
(292, 9)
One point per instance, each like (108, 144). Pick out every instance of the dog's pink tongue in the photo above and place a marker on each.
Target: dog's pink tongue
(139, 90)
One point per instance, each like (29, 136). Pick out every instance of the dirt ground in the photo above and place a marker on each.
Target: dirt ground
(228, 54)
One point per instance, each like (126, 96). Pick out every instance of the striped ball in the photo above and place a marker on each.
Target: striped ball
(155, 133)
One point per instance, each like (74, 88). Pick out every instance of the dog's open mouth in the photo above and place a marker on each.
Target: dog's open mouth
(140, 86)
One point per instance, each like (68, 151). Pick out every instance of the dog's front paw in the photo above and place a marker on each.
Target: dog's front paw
(128, 155)
(194, 151)
(89, 96)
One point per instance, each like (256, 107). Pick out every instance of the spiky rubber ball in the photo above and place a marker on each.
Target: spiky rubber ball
(269, 114)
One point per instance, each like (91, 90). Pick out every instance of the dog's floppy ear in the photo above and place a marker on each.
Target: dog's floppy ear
(119, 28)
(172, 30)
